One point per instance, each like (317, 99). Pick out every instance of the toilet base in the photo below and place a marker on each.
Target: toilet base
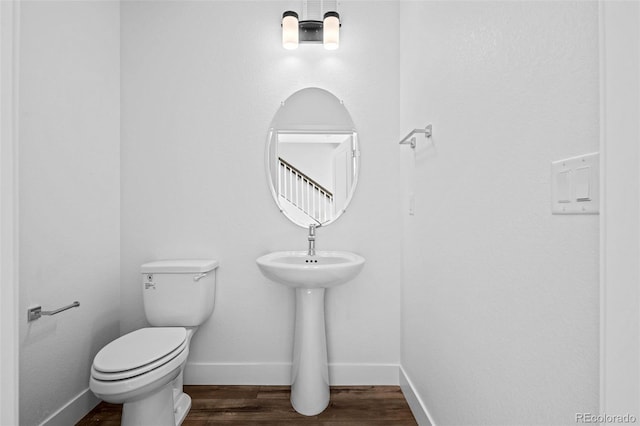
(153, 410)
(167, 407)
(181, 405)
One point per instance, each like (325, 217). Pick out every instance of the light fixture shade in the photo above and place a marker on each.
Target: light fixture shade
(290, 30)
(331, 31)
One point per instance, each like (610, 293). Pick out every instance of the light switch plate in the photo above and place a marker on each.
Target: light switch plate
(575, 185)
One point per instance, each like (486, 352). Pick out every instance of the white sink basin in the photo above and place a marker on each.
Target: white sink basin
(299, 270)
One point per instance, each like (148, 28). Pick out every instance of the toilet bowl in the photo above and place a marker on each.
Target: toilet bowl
(143, 370)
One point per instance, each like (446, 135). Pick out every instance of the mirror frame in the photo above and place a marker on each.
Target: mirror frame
(272, 138)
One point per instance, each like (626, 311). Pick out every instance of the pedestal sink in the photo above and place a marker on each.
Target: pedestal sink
(310, 276)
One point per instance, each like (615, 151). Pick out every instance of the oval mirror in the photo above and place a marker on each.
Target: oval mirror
(312, 157)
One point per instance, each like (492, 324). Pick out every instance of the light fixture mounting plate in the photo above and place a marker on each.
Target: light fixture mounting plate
(311, 31)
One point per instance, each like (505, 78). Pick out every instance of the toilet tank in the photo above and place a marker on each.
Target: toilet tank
(178, 293)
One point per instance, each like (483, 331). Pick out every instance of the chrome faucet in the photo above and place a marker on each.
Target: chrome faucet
(312, 240)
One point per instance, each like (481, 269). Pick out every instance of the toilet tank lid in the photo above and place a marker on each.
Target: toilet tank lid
(179, 266)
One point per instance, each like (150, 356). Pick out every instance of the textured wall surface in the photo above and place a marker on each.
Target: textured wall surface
(69, 196)
(500, 298)
(199, 91)
(620, 366)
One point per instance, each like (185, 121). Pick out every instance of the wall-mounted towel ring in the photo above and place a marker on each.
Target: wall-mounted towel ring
(411, 137)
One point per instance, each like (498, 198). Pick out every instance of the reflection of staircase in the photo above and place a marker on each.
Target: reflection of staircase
(304, 193)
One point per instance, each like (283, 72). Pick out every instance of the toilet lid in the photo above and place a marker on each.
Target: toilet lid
(139, 348)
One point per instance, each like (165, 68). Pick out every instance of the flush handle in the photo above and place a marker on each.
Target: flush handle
(198, 277)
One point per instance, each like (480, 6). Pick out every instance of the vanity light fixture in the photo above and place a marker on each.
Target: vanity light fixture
(326, 31)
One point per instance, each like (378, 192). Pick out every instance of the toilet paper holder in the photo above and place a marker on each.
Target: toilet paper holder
(36, 312)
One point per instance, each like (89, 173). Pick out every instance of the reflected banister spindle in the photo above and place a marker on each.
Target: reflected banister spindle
(324, 206)
(279, 179)
(289, 185)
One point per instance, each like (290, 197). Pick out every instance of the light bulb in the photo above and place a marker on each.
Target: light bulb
(290, 30)
(331, 31)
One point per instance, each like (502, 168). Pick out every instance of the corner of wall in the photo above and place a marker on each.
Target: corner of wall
(416, 404)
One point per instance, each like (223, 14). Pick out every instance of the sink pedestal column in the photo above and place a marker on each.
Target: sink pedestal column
(310, 371)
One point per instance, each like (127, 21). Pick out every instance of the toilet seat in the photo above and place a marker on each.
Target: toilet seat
(141, 386)
(139, 352)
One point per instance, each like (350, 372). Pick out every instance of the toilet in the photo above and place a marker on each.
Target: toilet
(143, 370)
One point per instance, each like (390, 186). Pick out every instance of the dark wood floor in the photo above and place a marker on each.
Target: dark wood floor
(269, 405)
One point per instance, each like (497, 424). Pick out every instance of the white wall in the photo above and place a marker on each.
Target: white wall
(500, 298)
(8, 217)
(620, 248)
(201, 82)
(68, 200)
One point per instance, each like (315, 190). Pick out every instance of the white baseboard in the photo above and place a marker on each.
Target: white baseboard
(74, 410)
(280, 374)
(418, 408)
(203, 373)
(363, 374)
